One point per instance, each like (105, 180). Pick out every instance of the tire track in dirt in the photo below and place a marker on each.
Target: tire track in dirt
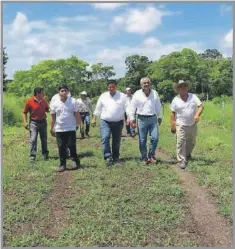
(202, 223)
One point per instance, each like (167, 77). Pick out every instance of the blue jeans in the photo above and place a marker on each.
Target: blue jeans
(147, 125)
(106, 129)
(35, 128)
(129, 129)
(85, 119)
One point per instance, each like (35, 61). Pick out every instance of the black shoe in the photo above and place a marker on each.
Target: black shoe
(45, 157)
(108, 162)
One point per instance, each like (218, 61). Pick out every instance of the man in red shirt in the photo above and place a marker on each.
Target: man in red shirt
(37, 106)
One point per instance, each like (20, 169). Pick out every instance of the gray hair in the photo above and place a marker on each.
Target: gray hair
(145, 79)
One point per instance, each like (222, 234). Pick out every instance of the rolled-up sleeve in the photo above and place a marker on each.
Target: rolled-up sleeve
(98, 107)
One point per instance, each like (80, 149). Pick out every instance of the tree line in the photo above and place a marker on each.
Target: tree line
(209, 73)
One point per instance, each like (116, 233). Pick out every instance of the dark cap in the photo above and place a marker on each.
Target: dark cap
(63, 86)
(112, 81)
(37, 90)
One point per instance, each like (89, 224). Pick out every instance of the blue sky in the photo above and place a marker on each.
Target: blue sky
(109, 32)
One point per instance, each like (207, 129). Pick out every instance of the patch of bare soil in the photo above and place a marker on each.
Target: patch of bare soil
(203, 224)
(61, 191)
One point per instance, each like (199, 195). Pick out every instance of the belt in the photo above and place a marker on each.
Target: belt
(146, 116)
(38, 121)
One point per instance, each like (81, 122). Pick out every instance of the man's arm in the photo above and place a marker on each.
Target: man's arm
(97, 111)
(173, 125)
(133, 107)
(159, 110)
(198, 113)
(24, 115)
(53, 119)
(78, 119)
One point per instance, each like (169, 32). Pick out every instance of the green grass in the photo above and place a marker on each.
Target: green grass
(212, 154)
(127, 205)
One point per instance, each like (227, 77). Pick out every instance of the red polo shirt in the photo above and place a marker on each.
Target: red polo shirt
(37, 109)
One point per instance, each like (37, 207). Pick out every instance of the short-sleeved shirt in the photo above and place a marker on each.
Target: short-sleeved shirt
(36, 108)
(65, 119)
(111, 108)
(185, 110)
(84, 105)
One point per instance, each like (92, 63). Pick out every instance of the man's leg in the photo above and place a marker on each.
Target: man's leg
(191, 140)
(73, 148)
(116, 130)
(128, 131)
(83, 120)
(62, 141)
(143, 131)
(181, 134)
(33, 128)
(153, 129)
(87, 121)
(43, 137)
(105, 139)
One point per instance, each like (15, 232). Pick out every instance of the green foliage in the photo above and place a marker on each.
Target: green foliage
(5, 59)
(221, 99)
(12, 110)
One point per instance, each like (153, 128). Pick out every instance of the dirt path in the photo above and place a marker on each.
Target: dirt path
(203, 224)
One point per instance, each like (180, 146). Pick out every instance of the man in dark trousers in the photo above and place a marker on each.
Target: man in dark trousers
(37, 106)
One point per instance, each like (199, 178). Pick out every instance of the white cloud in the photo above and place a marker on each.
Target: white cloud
(87, 18)
(140, 21)
(108, 6)
(224, 8)
(226, 44)
(228, 39)
(150, 47)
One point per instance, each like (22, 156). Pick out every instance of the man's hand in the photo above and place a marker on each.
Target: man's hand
(196, 118)
(26, 126)
(159, 121)
(173, 129)
(52, 133)
(133, 124)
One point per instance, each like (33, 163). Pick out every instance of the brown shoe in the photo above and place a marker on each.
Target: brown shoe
(146, 161)
(61, 169)
(153, 160)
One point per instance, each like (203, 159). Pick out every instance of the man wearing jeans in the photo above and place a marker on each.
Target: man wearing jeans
(37, 106)
(147, 105)
(84, 108)
(129, 130)
(65, 120)
(111, 107)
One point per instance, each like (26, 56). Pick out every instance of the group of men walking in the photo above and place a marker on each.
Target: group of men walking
(143, 111)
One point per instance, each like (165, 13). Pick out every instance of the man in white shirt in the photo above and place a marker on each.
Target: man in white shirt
(111, 107)
(65, 120)
(185, 111)
(146, 103)
(84, 106)
(129, 130)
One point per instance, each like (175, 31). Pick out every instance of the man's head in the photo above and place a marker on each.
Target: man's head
(128, 91)
(38, 92)
(145, 83)
(63, 91)
(83, 94)
(182, 87)
(112, 86)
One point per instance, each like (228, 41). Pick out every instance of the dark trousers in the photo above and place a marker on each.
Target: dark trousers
(66, 140)
(36, 127)
(85, 119)
(106, 129)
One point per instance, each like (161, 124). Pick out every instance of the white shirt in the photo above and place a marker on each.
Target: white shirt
(65, 119)
(84, 105)
(129, 98)
(57, 97)
(143, 105)
(185, 111)
(111, 108)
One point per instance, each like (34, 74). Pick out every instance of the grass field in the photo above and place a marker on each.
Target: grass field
(127, 205)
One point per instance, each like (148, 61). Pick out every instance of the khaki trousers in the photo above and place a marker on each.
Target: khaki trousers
(186, 140)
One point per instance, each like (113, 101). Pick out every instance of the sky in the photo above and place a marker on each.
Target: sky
(109, 32)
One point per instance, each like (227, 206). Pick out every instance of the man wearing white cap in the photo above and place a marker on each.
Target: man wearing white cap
(84, 106)
(129, 130)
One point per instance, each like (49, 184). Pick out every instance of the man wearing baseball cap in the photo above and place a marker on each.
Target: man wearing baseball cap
(129, 130)
(65, 120)
(84, 108)
(185, 111)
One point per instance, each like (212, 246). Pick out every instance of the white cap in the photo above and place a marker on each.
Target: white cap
(181, 82)
(128, 88)
(83, 93)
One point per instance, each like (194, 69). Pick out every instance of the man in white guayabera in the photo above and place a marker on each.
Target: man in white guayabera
(64, 123)
(111, 108)
(146, 104)
(186, 109)
(84, 108)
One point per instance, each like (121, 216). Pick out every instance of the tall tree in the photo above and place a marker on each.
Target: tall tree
(5, 59)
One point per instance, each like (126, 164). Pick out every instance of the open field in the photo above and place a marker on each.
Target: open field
(127, 205)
